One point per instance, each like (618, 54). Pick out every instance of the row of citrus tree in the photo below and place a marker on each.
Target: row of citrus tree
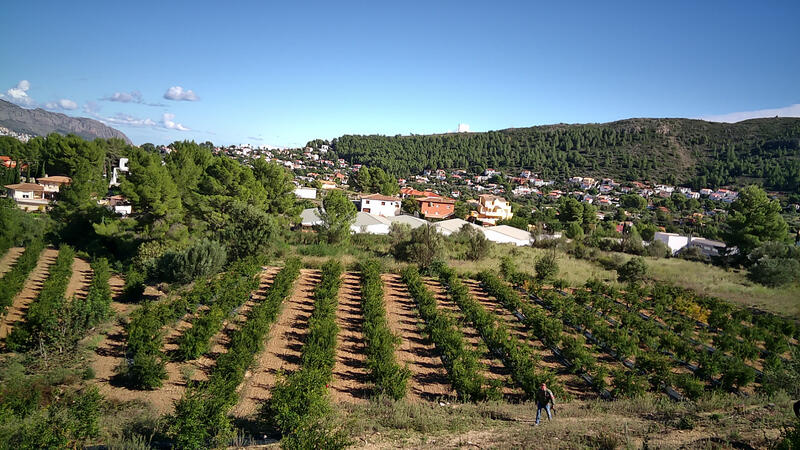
(517, 356)
(40, 326)
(388, 377)
(228, 294)
(464, 370)
(300, 406)
(13, 281)
(201, 416)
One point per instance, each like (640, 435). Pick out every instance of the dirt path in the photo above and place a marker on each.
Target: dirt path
(573, 384)
(284, 345)
(9, 259)
(495, 370)
(80, 279)
(428, 376)
(33, 285)
(350, 381)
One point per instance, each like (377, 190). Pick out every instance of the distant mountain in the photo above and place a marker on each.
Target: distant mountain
(703, 154)
(39, 122)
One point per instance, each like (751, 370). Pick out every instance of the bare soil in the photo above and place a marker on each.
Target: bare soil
(16, 312)
(573, 384)
(9, 259)
(350, 382)
(495, 370)
(80, 279)
(428, 375)
(284, 345)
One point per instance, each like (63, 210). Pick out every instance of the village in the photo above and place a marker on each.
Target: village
(488, 199)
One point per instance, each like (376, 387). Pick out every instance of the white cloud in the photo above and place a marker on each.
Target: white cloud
(19, 94)
(168, 123)
(787, 111)
(64, 103)
(178, 93)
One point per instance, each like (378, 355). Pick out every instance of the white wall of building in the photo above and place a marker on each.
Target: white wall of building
(380, 207)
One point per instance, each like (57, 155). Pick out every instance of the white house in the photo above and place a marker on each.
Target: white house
(52, 185)
(121, 167)
(29, 196)
(380, 205)
(305, 192)
(674, 241)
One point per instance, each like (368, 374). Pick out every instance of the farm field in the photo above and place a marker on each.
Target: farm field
(385, 352)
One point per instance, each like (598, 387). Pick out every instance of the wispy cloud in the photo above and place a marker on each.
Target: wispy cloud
(178, 93)
(167, 121)
(91, 107)
(63, 104)
(786, 111)
(129, 97)
(128, 120)
(19, 94)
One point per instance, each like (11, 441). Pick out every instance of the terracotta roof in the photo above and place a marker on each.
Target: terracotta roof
(435, 200)
(25, 187)
(55, 179)
(381, 197)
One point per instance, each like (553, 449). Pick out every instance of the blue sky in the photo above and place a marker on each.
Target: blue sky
(284, 73)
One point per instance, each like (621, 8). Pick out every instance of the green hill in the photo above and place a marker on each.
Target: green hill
(762, 151)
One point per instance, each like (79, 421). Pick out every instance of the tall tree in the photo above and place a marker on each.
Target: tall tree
(753, 219)
(337, 216)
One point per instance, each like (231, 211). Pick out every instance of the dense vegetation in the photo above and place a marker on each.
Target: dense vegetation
(660, 150)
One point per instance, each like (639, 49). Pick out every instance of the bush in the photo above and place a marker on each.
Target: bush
(426, 247)
(546, 266)
(632, 271)
(13, 280)
(658, 249)
(574, 231)
(473, 239)
(201, 259)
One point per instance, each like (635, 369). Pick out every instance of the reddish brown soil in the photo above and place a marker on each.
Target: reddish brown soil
(9, 259)
(428, 376)
(573, 384)
(350, 382)
(16, 312)
(495, 370)
(284, 345)
(80, 279)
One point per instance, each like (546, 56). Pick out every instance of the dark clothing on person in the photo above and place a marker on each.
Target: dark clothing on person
(544, 396)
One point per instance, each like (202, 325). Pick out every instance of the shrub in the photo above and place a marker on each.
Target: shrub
(574, 231)
(546, 266)
(201, 259)
(426, 247)
(477, 246)
(632, 271)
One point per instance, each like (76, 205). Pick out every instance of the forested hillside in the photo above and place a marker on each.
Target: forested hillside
(765, 151)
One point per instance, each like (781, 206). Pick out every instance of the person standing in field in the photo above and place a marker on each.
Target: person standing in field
(544, 400)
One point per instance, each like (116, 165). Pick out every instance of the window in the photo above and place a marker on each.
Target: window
(383, 203)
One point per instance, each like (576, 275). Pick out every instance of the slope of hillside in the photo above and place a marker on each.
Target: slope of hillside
(39, 122)
(765, 151)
